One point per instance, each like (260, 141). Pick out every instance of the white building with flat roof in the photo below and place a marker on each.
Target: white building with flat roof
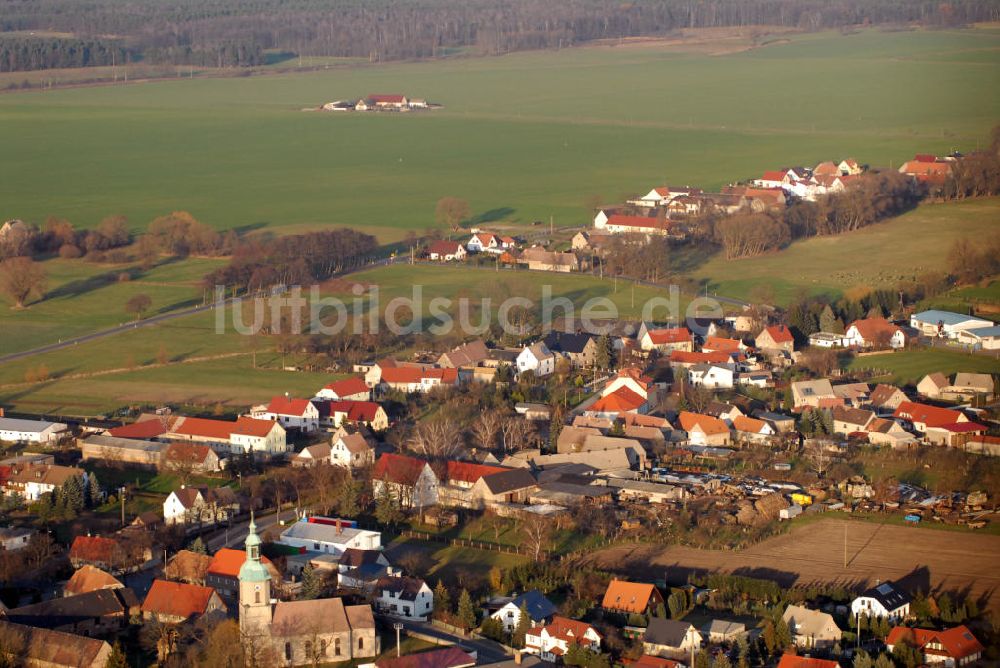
(329, 535)
(30, 431)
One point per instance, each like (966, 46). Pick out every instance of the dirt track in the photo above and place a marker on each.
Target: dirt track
(925, 559)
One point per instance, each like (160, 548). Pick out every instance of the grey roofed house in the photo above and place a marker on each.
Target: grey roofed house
(354, 557)
(564, 493)
(886, 593)
(467, 354)
(71, 610)
(810, 627)
(666, 632)
(406, 588)
(56, 649)
(322, 615)
(534, 602)
(509, 481)
(602, 460)
(554, 473)
(719, 630)
(975, 382)
(567, 343)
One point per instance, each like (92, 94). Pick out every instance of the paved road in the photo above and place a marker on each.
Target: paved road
(487, 651)
(236, 534)
(152, 320)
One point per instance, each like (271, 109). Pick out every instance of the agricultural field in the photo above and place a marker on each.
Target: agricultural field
(522, 137)
(811, 552)
(909, 366)
(881, 255)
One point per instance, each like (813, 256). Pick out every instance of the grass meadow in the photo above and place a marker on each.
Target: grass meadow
(909, 366)
(522, 137)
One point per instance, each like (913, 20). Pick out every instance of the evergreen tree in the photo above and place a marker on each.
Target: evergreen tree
(94, 496)
(73, 494)
(827, 320)
(386, 507)
(676, 604)
(442, 601)
(605, 352)
(347, 497)
(522, 628)
(783, 634)
(743, 652)
(883, 661)
(701, 660)
(863, 660)
(198, 546)
(117, 657)
(312, 583)
(721, 661)
(466, 613)
(493, 629)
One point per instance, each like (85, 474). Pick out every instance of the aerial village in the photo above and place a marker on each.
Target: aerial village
(304, 526)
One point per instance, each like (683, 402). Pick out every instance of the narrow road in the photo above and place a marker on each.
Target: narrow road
(487, 651)
(235, 535)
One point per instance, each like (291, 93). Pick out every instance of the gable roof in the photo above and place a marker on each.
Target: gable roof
(706, 423)
(180, 451)
(957, 642)
(469, 472)
(569, 630)
(293, 618)
(888, 595)
(283, 405)
(444, 247)
(779, 334)
(537, 606)
(669, 335)
(638, 222)
(872, 329)
(467, 354)
(227, 562)
(666, 632)
(355, 557)
(748, 424)
(685, 357)
(56, 648)
(356, 411)
(388, 98)
(188, 565)
(720, 343)
(399, 469)
(793, 661)
(806, 622)
(568, 343)
(935, 316)
(509, 481)
(90, 578)
(622, 400)
(355, 443)
(143, 429)
(93, 548)
(177, 599)
(61, 611)
(348, 386)
(932, 416)
(628, 596)
(882, 394)
(852, 416)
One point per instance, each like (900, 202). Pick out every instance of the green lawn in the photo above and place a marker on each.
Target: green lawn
(82, 297)
(522, 137)
(877, 256)
(449, 560)
(909, 366)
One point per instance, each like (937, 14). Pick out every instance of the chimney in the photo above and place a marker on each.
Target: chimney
(517, 657)
(340, 530)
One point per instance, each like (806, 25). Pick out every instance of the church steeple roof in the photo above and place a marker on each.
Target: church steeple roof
(252, 569)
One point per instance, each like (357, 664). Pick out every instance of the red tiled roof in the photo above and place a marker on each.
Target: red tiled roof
(228, 561)
(570, 630)
(143, 429)
(628, 596)
(932, 416)
(718, 343)
(348, 386)
(780, 334)
(469, 473)
(205, 428)
(399, 469)
(96, 549)
(957, 642)
(403, 374)
(647, 661)
(708, 424)
(450, 657)
(444, 247)
(288, 406)
(187, 452)
(177, 599)
(749, 425)
(871, 329)
(793, 661)
(774, 176)
(248, 426)
(622, 400)
(390, 98)
(643, 222)
(671, 335)
(684, 357)
(962, 427)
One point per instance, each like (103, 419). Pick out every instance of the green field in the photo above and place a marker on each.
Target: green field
(82, 297)
(908, 367)
(522, 137)
(877, 256)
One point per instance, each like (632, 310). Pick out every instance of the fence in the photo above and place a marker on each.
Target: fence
(486, 546)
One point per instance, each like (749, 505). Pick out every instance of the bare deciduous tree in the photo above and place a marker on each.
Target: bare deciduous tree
(536, 531)
(451, 211)
(486, 428)
(437, 437)
(21, 278)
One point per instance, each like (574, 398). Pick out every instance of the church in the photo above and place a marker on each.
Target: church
(298, 633)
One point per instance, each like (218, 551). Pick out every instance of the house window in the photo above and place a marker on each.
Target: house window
(256, 596)
(336, 646)
(288, 651)
(322, 647)
(309, 649)
(361, 643)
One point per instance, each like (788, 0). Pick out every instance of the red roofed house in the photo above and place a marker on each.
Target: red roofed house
(776, 337)
(613, 404)
(446, 251)
(752, 430)
(773, 179)
(450, 657)
(467, 474)
(634, 380)
(387, 100)
(104, 553)
(176, 602)
(483, 241)
(874, 333)
(339, 413)
(631, 597)
(927, 169)
(682, 358)
(704, 429)
(922, 416)
(952, 647)
(666, 340)
(723, 345)
(348, 389)
(793, 661)
(410, 480)
(146, 427)
(551, 642)
(291, 413)
(248, 435)
(189, 457)
(954, 434)
(415, 379)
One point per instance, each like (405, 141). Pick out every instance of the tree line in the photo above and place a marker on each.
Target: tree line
(200, 30)
(20, 53)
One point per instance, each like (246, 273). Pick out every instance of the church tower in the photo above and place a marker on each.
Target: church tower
(255, 588)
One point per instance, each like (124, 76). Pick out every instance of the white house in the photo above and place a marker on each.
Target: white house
(716, 376)
(537, 358)
(538, 608)
(31, 481)
(811, 629)
(200, 505)
(352, 451)
(329, 535)
(882, 600)
(14, 538)
(827, 340)
(347, 389)
(482, 241)
(311, 455)
(667, 636)
(291, 413)
(945, 324)
(253, 436)
(551, 642)
(30, 431)
(405, 597)
(446, 251)
(874, 332)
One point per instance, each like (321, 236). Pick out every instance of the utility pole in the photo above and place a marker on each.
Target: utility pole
(121, 494)
(845, 544)
(398, 626)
